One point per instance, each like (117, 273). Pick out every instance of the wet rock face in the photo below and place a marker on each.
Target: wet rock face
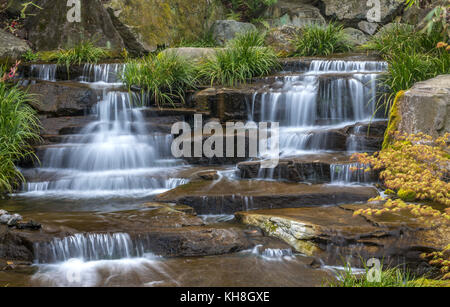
(426, 107)
(227, 197)
(333, 232)
(11, 47)
(14, 246)
(49, 28)
(63, 99)
(225, 30)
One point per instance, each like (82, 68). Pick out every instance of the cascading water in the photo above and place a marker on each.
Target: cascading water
(109, 73)
(46, 72)
(113, 155)
(310, 106)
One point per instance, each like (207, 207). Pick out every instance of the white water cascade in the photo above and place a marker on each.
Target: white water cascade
(328, 96)
(115, 155)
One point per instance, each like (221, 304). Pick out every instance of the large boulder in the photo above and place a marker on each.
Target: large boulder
(281, 39)
(352, 11)
(63, 99)
(50, 29)
(225, 30)
(368, 27)
(293, 14)
(164, 23)
(355, 37)
(426, 107)
(193, 54)
(11, 47)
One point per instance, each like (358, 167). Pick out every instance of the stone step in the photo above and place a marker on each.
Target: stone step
(226, 196)
(333, 233)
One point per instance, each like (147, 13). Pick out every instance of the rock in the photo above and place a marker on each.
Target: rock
(369, 28)
(426, 107)
(351, 11)
(63, 98)
(324, 230)
(390, 26)
(225, 30)
(134, 44)
(414, 15)
(226, 197)
(50, 29)
(154, 23)
(10, 219)
(11, 47)
(206, 175)
(13, 246)
(281, 39)
(286, 13)
(355, 36)
(193, 54)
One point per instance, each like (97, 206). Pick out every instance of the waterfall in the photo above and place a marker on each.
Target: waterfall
(45, 72)
(350, 173)
(114, 155)
(87, 247)
(312, 106)
(108, 73)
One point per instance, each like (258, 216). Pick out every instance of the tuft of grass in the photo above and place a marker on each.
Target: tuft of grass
(19, 126)
(412, 55)
(206, 40)
(244, 58)
(321, 40)
(164, 77)
(391, 277)
(84, 52)
(248, 39)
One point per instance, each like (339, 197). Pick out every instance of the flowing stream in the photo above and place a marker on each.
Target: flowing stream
(118, 158)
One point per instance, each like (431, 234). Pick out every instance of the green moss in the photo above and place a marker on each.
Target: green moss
(406, 195)
(394, 120)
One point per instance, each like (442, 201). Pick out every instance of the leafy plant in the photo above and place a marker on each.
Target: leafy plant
(321, 40)
(30, 56)
(413, 163)
(243, 59)
(19, 126)
(164, 77)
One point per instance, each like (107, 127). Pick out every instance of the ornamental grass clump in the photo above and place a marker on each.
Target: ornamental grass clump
(321, 40)
(244, 58)
(19, 127)
(165, 78)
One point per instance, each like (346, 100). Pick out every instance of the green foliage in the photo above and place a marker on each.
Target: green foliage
(164, 77)
(247, 10)
(18, 127)
(206, 40)
(321, 40)
(412, 55)
(394, 277)
(30, 56)
(247, 40)
(243, 59)
(84, 52)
